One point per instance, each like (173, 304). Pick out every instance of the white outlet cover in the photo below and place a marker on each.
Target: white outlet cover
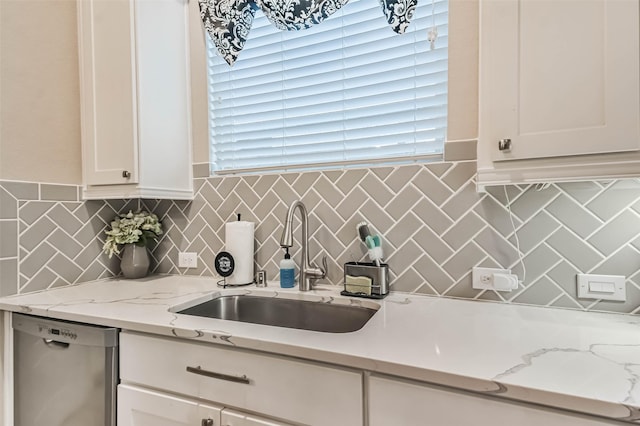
(187, 260)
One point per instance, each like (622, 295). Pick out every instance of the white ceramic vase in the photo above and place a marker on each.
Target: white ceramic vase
(135, 261)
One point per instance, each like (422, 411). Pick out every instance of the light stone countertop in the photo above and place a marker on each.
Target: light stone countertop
(582, 361)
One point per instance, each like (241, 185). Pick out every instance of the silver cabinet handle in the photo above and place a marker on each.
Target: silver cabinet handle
(221, 376)
(126, 174)
(207, 422)
(504, 145)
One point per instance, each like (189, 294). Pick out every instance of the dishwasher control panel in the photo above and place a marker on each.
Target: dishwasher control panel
(57, 332)
(65, 331)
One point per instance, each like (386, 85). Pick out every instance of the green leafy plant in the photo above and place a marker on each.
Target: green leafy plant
(138, 228)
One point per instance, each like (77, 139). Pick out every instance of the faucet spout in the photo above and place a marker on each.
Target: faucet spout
(309, 273)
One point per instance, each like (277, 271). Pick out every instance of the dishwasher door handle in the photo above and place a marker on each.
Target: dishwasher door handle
(54, 344)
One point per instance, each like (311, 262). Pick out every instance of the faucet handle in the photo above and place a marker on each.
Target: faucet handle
(316, 272)
(324, 268)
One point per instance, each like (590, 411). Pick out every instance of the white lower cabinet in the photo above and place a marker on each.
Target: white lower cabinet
(142, 407)
(395, 402)
(239, 381)
(236, 418)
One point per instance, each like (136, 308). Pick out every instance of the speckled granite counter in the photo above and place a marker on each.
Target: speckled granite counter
(587, 362)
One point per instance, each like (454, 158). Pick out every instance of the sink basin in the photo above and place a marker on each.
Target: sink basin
(284, 312)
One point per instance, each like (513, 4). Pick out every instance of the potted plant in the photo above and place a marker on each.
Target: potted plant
(134, 232)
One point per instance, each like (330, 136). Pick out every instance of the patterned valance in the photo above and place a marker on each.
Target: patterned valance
(228, 22)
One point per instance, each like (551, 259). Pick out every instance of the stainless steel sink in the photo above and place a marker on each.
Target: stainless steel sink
(282, 312)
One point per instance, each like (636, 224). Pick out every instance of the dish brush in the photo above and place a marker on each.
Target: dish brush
(372, 242)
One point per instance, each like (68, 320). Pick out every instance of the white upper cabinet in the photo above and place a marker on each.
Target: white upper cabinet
(135, 98)
(559, 79)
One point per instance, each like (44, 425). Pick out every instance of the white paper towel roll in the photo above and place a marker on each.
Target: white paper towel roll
(238, 240)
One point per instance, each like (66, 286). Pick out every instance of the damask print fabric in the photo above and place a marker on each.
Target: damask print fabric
(228, 22)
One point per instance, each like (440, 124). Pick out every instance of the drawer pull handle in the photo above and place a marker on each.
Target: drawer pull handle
(236, 379)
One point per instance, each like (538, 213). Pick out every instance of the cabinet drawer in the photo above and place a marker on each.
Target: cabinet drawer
(289, 389)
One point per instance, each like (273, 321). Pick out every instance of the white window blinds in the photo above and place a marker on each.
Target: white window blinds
(347, 90)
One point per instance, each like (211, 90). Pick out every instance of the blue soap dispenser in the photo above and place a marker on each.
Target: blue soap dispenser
(287, 271)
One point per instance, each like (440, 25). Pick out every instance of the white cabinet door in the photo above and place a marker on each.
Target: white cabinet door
(141, 407)
(394, 402)
(108, 87)
(559, 78)
(274, 386)
(236, 418)
(135, 98)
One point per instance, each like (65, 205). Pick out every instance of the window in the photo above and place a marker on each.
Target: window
(348, 90)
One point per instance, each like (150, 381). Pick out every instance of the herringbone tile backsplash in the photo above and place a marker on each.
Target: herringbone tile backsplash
(434, 225)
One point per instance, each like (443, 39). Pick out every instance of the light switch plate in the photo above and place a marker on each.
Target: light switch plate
(602, 287)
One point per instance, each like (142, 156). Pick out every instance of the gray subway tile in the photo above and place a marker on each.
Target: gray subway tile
(22, 190)
(624, 262)
(438, 169)
(464, 259)
(432, 187)
(58, 192)
(434, 217)
(64, 219)
(460, 150)
(541, 292)
(432, 244)
(582, 192)
(532, 201)
(201, 170)
(400, 176)
(376, 189)
(307, 180)
(8, 205)
(36, 259)
(246, 194)
(618, 196)
(497, 247)
(41, 281)
(537, 263)
(459, 174)
(573, 216)
(327, 191)
(535, 230)
(617, 232)
(403, 230)
(464, 289)
(408, 282)
(463, 230)
(465, 199)
(8, 238)
(496, 215)
(433, 274)
(8, 277)
(37, 233)
(31, 211)
(572, 248)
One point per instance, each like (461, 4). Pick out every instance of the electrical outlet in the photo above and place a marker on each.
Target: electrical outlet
(187, 260)
(493, 279)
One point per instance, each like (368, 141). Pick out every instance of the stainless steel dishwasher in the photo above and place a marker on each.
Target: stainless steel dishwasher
(65, 373)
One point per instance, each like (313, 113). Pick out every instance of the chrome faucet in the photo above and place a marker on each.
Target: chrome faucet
(308, 272)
